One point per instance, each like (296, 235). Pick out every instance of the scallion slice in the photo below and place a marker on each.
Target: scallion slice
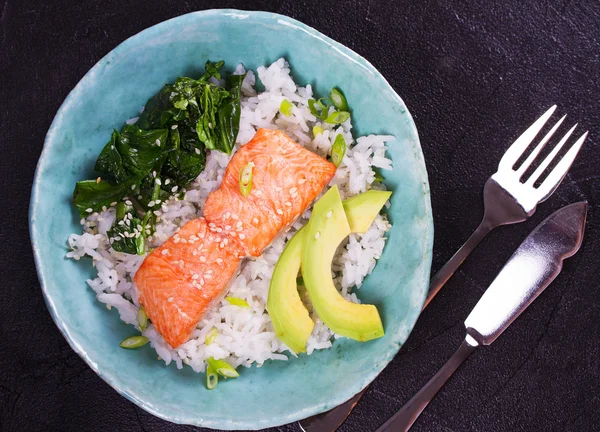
(378, 178)
(318, 108)
(338, 150)
(222, 368)
(338, 100)
(286, 108)
(245, 179)
(134, 342)
(317, 130)
(142, 318)
(140, 244)
(212, 379)
(236, 301)
(337, 117)
(211, 336)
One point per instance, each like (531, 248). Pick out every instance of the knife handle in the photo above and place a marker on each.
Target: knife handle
(404, 419)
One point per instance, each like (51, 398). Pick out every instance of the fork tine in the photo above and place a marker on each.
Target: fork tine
(555, 177)
(540, 170)
(515, 151)
(538, 148)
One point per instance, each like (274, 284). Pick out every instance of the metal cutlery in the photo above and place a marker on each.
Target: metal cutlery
(534, 265)
(507, 200)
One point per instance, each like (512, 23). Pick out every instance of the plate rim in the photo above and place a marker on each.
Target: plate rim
(425, 264)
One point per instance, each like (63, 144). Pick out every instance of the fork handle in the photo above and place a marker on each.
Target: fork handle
(442, 276)
(408, 414)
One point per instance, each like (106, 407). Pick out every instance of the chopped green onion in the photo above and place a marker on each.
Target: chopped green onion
(222, 368)
(211, 336)
(142, 318)
(245, 179)
(338, 150)
(286, 108)
(236, 301)
(317, 130)
(337, 117)
(338, 100)
(318, 108)
(378, 177)
(140, 243)
(212, 379)
(134, 342)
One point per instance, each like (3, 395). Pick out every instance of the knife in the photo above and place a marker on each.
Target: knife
(534, 265)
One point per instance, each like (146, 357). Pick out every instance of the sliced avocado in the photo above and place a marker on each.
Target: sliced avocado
(326, 229)
(361, 209)
(291, 320)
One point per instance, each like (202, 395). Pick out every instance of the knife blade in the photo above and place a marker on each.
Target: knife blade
(535, 264)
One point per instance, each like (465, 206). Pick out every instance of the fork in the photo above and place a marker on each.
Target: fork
(508, 199)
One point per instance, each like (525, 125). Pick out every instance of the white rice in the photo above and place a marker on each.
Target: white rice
(246, 336)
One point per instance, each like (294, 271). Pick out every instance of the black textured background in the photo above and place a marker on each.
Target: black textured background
(473, 74)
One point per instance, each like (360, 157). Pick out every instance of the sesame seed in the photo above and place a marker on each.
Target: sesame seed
(174, 189)
(329, 214)
(121, 222)
(157, 142)
(317, 235)
(239, 224)
(158, 181)
(139, 197)
(151, 204)
(278, 189)
(258, 192)
(219, 261)
(301, 181)
(197, 150)
(217, 239)
(195, 276)
(279, 211)
(242, 236)
(219, 230)
(170, 299)
(154, 174)
(114, 203)
(255, 220)
(226, 241)
(227, 215)
(294, 195)
(222, 245)
(89, 210)
(98, 180)
(167, 181)
(227, 227)
(128, 222)
(288, 204)
(233, 234)
(174, 127)
(202, 259)
(212, 225)
(292, 190)
(139, 228)
(158, 201)
(194, 252)
(234, 216)
(128, 203)
(132, 187)
(112, 147)
(209, 271)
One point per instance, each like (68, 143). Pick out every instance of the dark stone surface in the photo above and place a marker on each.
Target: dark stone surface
(473, 74)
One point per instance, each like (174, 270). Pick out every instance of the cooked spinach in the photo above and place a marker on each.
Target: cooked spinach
(168, 141)
(126, 237)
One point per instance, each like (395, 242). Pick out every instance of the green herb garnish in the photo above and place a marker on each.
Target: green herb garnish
(337, 117)
(338, 100)
(317, 130)
(236, 301)
(318, 108)
(212, 379)
(222, 368)
(211, 336)
(286, 107)
(245, 179)
(134, 342)
(142, 318)
(338, 150)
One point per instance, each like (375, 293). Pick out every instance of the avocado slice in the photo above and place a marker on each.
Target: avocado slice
(326, 229)
(361, 209)
(291, 320)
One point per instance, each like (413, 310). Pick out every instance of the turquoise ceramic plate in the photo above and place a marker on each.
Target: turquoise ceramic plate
(114, 90)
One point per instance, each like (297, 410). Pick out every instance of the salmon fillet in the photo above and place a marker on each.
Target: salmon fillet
(185, 277)
(286, 178)
(179, 282)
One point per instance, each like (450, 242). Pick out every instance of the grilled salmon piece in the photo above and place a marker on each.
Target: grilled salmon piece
(185, 277)
(179, 282)
(286, 178)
